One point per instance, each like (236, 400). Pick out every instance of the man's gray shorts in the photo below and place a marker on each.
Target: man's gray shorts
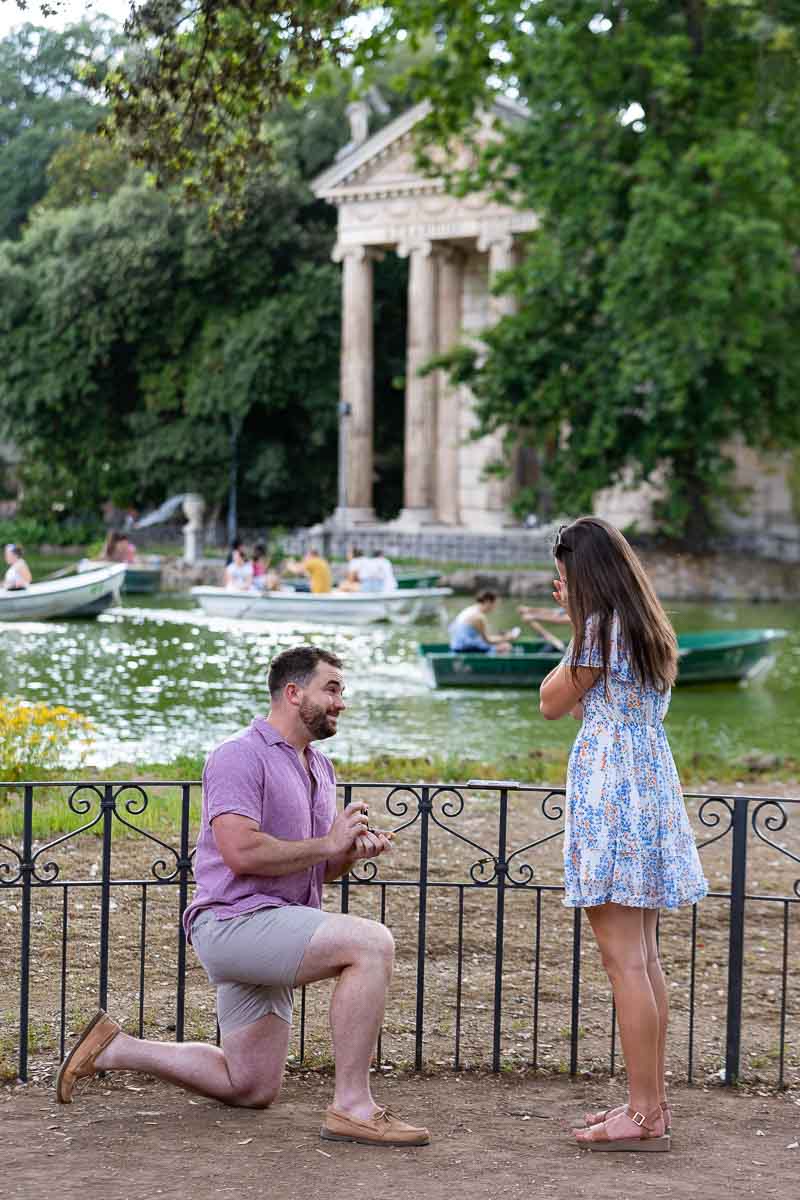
(253, 960)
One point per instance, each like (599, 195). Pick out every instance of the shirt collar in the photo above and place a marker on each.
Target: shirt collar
(273, 738)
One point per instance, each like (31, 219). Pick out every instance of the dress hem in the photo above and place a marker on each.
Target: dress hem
(634, 902)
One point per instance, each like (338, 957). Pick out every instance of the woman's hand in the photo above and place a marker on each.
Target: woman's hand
(560, 592)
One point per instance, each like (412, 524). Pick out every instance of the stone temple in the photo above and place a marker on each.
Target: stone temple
(455, 247)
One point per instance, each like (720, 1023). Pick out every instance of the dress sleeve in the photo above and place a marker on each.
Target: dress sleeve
(591, 653)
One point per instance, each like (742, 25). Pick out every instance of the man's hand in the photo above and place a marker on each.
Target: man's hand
(371, 844)
(346, 828)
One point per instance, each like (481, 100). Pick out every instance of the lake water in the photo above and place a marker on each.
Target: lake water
(159, 680)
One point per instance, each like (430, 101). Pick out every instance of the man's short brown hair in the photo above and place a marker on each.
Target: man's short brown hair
(297, 665)
(485, 595)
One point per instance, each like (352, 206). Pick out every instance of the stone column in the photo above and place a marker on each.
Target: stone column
(419, 483)
(501, 258)
(356, 398)
(451, 272)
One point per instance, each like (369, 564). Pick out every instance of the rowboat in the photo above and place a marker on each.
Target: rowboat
(417, 579)
(711, 657)
(329, 608)
(140, 577)
(82, 595)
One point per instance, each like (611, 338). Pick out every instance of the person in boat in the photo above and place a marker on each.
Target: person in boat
(356, 564)
(380, 573)
(260, 564)
(236, 544)
(629, 850)
(316, 568)
(270, 838)
(18, 575)
(239, 572)
(118, 548)
(470, 633)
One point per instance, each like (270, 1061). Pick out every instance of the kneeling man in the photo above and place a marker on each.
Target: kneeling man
(270, 838)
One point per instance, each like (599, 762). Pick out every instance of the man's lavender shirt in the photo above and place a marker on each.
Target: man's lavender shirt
(257, 774)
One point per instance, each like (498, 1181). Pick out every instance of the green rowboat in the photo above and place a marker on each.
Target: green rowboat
(712, 657)
(417, 579)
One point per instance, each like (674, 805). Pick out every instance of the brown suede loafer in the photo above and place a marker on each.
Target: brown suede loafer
(80, 1061)
(382, 1129)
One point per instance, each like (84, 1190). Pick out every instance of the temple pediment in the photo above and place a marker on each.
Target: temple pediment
(384, 164)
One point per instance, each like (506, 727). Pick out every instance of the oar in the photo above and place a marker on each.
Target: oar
(545, 633)
(59, 574)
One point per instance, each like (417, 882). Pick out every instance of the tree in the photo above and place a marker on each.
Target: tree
(133, 337)
(45, 102)
(658, 302)
(659, 299)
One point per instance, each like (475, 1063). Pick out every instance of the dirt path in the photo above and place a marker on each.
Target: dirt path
(132, 1138)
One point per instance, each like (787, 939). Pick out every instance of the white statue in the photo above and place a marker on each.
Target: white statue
(193, 506)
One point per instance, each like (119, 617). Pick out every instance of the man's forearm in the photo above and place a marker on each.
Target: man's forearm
(265, 855)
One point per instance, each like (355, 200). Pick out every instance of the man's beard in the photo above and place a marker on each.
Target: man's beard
(318, 722)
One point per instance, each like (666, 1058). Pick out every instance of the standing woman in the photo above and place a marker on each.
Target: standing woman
(628, 847)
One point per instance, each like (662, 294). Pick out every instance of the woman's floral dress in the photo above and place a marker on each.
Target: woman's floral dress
(627, 838)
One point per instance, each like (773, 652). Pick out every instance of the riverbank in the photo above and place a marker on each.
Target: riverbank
(675, 575)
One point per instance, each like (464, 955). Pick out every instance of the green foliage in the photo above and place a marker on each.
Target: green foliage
(135, 338)
(193, 103)
(87, 167)
(139, 344)
(31, 531)
(45, 102)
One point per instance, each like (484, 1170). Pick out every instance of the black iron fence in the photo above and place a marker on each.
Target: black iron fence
(492, 969)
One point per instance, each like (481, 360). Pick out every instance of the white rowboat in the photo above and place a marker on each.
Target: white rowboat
(83, 595)
(331, 608)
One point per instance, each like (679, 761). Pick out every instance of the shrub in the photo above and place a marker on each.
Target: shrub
(35, 736)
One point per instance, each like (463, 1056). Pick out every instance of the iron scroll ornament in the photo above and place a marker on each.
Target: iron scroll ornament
(774, 822)
(452, 808)
(400, 800)
(136, 805)
(80, 805)
(526, 873)
(711, 819)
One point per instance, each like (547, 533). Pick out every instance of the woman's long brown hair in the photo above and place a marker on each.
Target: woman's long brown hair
(604, 579)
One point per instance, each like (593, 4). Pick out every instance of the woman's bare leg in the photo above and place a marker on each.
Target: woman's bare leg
(659, 986)
(620, 934)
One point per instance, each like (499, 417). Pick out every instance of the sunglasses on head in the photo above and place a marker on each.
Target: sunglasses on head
(559, 543)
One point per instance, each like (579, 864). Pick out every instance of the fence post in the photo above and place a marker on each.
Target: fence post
(425, 809)
(502, 871)
(184, 872)
(108, 806)
(25, 943)
(733, 1031)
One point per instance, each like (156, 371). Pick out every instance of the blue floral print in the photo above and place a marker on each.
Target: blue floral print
(627, 838)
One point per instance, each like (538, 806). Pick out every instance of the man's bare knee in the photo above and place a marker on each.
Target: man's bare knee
(255, 1094)
(379, 944)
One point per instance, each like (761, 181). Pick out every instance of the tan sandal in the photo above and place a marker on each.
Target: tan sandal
(591, 1119)
(651, 1138)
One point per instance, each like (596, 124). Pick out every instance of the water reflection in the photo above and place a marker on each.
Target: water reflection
(160, 679)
